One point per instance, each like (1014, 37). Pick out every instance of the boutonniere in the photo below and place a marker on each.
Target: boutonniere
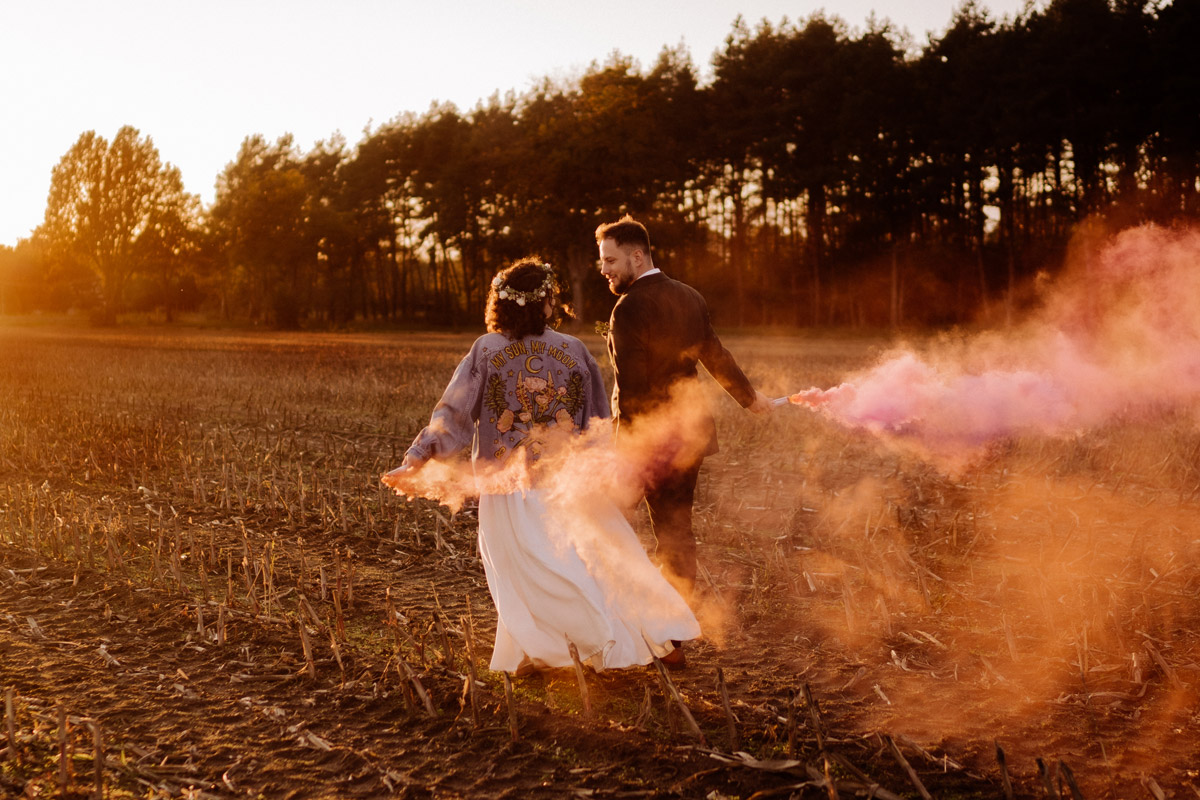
(603, 328)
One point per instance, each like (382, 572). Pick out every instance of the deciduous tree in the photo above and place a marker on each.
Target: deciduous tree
(118, 210)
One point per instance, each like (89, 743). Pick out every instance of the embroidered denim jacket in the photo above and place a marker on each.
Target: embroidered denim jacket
(504, 390)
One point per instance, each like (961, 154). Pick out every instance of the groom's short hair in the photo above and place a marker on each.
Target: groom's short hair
(626, 230)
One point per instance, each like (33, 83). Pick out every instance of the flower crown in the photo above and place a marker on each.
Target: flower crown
(521, 298)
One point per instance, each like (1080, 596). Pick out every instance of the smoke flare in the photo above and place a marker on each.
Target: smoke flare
(1117, 337)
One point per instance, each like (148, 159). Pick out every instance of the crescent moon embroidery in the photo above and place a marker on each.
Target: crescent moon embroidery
(529, 364)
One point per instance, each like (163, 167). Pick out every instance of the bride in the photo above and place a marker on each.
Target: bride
(562, 563)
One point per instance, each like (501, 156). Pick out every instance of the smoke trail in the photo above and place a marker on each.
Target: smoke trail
(1117, 337)
(574, 465)
(587, 480)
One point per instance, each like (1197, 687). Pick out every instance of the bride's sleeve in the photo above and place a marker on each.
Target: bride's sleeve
(596, 396)
(452, 425)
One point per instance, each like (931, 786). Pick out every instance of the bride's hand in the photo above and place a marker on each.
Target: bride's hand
(403, 473)
(400, 471)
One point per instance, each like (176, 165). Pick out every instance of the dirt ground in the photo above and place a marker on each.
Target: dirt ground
(200, 574)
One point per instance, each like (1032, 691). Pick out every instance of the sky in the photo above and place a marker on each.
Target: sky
(199, 77)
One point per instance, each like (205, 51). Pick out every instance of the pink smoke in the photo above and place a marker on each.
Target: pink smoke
(1118, 337)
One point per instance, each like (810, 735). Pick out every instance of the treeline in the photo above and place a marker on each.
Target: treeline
(822, 176)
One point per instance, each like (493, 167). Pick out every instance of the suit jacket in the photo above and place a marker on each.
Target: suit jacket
(659, 330)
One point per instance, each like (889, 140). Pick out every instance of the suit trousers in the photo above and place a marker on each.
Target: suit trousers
(670, 503)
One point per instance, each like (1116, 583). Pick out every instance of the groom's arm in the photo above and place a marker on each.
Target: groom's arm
(719, 362)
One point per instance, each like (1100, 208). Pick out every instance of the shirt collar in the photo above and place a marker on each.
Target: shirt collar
(651, 271)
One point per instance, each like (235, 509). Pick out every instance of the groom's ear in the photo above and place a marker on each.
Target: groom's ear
(638, 258)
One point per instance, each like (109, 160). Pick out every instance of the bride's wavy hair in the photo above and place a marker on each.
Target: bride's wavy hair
(517, 297)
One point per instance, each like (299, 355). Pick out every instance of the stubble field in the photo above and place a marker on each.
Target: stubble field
(205, 592)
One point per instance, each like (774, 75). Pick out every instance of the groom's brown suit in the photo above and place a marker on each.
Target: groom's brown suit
(659, 330)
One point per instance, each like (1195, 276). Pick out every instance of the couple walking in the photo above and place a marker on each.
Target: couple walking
(565, 564)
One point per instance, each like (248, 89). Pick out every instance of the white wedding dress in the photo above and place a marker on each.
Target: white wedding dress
(574, 570)
(562, 562)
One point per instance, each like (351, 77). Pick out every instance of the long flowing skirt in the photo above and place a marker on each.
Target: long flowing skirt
(577, 573)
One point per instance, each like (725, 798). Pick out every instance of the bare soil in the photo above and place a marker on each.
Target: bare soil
(174, 539)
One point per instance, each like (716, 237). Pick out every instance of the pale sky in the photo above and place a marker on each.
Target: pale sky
(199, 76)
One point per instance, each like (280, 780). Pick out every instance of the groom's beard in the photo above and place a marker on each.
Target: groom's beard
(620, 285)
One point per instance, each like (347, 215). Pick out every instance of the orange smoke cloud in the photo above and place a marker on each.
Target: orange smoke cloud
(585, 478)
(576, 465)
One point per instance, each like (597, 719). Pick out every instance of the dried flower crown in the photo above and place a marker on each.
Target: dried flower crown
(521, 298)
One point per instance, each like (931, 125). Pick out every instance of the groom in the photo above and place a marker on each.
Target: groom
(659, 330)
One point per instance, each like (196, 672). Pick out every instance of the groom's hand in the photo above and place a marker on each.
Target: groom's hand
(762, 404)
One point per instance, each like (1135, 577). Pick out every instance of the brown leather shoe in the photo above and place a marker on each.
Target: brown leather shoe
(526, 669)
(675, 660)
